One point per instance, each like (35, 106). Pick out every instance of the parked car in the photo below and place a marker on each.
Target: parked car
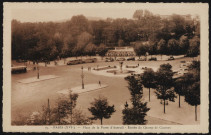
(131, 58)
(171, 58)
(120, 59)
(90, 60)
(109, 60)
(18, 69)
(142, 59)
(74, 62)
(153, 59)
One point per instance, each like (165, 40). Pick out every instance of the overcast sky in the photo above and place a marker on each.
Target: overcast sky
(36, 12)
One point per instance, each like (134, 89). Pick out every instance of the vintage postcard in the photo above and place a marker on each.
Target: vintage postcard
(105, 67)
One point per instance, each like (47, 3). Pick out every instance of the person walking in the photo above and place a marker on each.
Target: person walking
(99, 83)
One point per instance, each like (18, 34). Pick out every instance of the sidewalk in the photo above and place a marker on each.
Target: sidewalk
(78, 89)
(34, 79)
(184, 115)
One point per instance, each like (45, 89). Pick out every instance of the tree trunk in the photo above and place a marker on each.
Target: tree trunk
(49, 112)
(161, 56)
(38, 74)
(149, 94)
(179, 100)
(101, 121)
(195, 112)
(164, 106)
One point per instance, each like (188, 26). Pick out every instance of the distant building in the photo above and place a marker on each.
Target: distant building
(121, 52)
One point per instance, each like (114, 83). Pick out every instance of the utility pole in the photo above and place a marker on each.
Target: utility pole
(38, 74)
(49, 112)
(82, 77)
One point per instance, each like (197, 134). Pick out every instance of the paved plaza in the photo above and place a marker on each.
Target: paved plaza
(35, 79)
(28, 97)
(79, 89)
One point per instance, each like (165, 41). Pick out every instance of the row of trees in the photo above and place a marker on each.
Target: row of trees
(189, 47)
(80, 36)
(166, 86)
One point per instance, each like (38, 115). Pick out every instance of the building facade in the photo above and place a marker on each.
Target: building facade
(126, 51)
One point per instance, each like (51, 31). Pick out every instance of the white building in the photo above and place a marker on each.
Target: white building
(121, 52)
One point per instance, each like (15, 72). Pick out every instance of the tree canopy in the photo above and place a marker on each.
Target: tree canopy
(68, 38)
(100, 109)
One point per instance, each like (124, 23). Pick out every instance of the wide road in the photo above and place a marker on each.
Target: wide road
(27, 98)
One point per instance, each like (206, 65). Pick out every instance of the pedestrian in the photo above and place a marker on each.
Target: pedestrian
(99, 83)
(138, 64)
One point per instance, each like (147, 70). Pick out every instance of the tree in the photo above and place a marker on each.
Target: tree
(194, 48)
(152, 48)
(173, 46)
(178, 23)
(161, 47)
(100, 109)
(179, 87)
(183, 44)
(192, 91)
(195, 65)
(148, 79)
(120, 42)
(63, 113)
(90, 49)
(101, 50)
(136, 114)
(192, 96)
(164, 83)
(135, 88)
(83, 40)
(140, 49)
(138, 14)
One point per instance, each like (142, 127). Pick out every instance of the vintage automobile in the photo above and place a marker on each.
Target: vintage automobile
(142, 59)
(153, 59)
(131, 59)
(18, 69)
(109, 60)
(171, 58)
(75, 62)
(120, 59)
(90, 60)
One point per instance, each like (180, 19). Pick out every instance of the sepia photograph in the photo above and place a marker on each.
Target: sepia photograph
(105, 67)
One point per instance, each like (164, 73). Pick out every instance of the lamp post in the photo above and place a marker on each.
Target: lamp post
(82, 77)
(121, 63)
(38, 70)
